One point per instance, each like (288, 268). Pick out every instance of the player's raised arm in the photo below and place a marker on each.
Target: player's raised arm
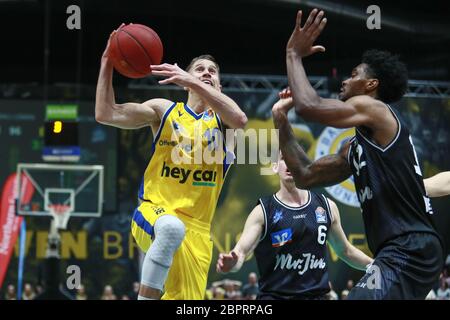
(356, 111)
(307, 174)
(438, 185)
(204, 81)
(343, 248)
(232, 261)
(125, 115)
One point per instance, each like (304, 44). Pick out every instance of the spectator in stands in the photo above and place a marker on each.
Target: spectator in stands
(443, 293)
(344, 294)
(251, 289)
(28, 292)
(81, 293)
(39, 289)
(133, 295)
(230, 292)
(350, 285)
(218, 293)
(445, 274)
(108, 293)
(238, 295)
(11, 293)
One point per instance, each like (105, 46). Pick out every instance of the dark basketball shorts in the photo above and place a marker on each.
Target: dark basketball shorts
(407, 267)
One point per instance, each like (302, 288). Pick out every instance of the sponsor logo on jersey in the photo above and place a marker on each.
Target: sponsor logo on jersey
(158, 210)
(178, 128)
(299, 216)
(329, 142)
(175, 125)
(280, 238)
(208, 115)
(206, 178)
(167, 143)
(306, 262)
(278, 216)
(321, 215)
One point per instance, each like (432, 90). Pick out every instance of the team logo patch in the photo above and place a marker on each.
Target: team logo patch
(158, 210)
(175, 125)
(321, 215)
(278, 216)
(208, 115)
(280, 238)
(178, 128)
(329, 142)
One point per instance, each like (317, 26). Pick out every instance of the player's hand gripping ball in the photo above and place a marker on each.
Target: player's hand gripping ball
(133, 48)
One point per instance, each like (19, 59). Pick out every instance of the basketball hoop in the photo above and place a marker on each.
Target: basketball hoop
(60, 214)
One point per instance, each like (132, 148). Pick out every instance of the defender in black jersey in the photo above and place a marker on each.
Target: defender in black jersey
(288, 232)
(388, 180)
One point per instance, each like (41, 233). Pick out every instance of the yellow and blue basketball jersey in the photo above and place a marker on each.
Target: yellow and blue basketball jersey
(187, 168)
(184, 177)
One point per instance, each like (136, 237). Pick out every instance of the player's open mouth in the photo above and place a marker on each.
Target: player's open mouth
(288, 173)
(208, 82)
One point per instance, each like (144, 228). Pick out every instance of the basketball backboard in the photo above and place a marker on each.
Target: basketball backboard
(77, 187)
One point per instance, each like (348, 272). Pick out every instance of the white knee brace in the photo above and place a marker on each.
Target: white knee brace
(169, 233)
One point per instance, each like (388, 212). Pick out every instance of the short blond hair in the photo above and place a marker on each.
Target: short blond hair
(205, 57)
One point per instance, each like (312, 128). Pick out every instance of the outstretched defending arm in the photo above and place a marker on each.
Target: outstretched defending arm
(343, 248)
(307, 174)
(232, 261)
(356, 111)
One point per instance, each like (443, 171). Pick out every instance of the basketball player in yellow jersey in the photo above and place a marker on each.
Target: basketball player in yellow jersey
(179, 190)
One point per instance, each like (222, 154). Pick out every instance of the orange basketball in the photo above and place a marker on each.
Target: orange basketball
(134, 48)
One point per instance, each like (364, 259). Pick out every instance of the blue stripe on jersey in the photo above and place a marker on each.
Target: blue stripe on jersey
(142, 223)
(192, 112)
(141, 190)
(161, 125)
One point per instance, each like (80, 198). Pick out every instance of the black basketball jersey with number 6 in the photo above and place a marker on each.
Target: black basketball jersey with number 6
(291, 254)
(390, 187)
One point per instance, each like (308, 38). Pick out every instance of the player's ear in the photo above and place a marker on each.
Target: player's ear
(372, 84)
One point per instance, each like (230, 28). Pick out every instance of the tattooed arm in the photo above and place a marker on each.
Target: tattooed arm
(322, 172)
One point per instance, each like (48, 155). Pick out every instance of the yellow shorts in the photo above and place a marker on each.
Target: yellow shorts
(189, 271)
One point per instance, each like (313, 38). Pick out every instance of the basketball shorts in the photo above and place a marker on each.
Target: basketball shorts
(407, 267)
(187, 278)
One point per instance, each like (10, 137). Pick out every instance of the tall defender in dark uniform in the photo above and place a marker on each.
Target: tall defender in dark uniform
(382, 159)
(288, 232)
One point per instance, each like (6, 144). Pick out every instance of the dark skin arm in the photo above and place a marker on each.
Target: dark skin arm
(360, 110)
(326, 171)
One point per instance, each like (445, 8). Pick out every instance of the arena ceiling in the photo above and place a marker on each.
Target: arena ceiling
(246, 36)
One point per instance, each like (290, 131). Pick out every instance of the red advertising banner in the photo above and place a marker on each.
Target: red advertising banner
(9, 221)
